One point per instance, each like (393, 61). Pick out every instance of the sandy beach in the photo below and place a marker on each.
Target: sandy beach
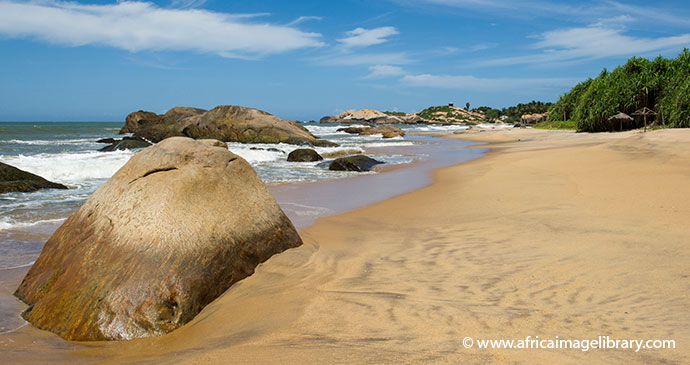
(551, 233)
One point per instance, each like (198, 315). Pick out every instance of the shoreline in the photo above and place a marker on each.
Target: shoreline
(541, 237)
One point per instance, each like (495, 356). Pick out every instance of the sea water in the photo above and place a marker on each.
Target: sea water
(67, 153)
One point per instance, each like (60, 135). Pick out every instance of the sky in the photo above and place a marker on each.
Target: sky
(100, 60)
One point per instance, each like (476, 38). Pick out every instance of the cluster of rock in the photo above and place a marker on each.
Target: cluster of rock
(370, 116)
(359, 163)
(227, 123)
(13, 179)
(131, 263)
(387, 131)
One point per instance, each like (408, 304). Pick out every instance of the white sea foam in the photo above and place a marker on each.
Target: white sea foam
(71, 168)
(329, 130)
(39, 142)
(8, 223)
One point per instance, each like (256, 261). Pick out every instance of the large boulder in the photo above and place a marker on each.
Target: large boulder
(13, 179)
(229, 123)
(139, 120)
(232, 123)
(358, 163)
(171, 231)
(304, 155)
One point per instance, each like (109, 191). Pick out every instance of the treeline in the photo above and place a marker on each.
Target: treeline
(514, 113)
(661, 85)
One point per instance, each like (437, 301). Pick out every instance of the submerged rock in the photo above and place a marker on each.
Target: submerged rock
(387, 131)
(171, 231)
(13, 179)
(354, 163)
(304, 155)
(127, 143)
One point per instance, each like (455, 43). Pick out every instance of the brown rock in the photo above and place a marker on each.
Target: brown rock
(139, 120)
(388, 131)
(171, 231)
(232, 123)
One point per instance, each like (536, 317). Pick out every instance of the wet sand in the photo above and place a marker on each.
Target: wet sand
(557, 234)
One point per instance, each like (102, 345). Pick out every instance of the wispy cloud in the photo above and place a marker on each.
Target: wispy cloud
(473, 83)
(304, 19)
(361, 37)
(140, 26)
(593, 42)
(384, 71)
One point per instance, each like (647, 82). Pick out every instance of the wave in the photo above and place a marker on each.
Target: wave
(39, 142)
(7, 223)
(71, 167)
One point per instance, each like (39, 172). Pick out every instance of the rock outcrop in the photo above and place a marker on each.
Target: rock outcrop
(233, 123)
(304, 155)
(171, 231)
(228, 123)
(358, 163)
(387, 131)
(13, 179)
(370, 116)
(126, 143)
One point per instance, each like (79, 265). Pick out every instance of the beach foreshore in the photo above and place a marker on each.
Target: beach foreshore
(554, 234)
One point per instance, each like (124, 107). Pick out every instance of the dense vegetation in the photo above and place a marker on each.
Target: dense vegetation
(515, 112)
(397, 114)
(556, 124)
(661, 84)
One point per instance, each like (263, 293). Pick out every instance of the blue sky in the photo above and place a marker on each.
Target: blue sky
(100, 60)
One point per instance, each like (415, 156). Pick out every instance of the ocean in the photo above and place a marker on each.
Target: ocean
(67, 153)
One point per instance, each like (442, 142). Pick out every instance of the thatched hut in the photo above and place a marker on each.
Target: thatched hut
(620, 121)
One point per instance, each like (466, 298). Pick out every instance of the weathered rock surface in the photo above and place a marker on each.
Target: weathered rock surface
(370, 116)
(139, 120)
(126, 143)
(304, 155)
(354, 163)
(13, 179)
(228, 123)
(171, 231)
(233, 123)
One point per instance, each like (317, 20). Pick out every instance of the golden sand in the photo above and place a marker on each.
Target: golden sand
(551, 234)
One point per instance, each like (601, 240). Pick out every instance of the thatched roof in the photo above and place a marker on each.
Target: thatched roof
(621, 117)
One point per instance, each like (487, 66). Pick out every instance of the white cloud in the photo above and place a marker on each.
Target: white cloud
(486, 84)
(593, 42)
(304, 19)
(383, 71)
(139, 26)
(361, 37)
